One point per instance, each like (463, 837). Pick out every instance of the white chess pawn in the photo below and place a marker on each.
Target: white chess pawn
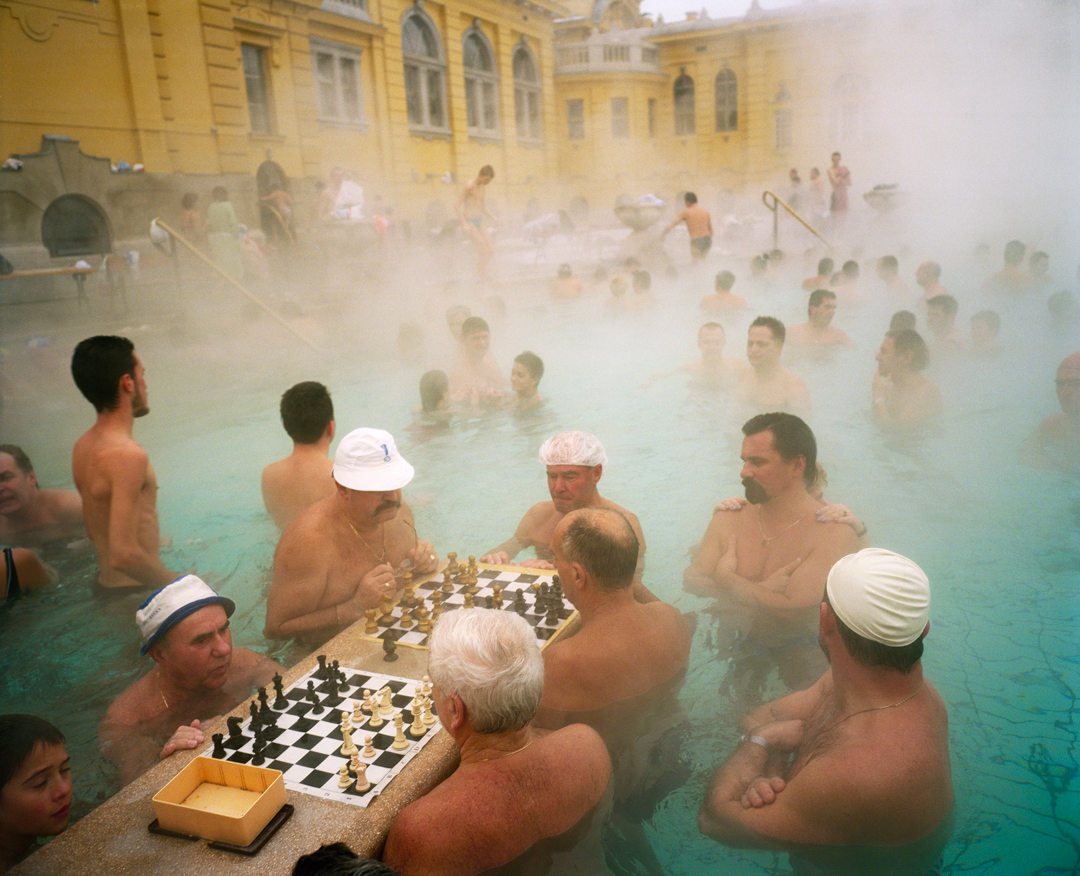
(357, 715)
(367, 701)
(425, 686)
(344, 780)
(429, 716)
(369, 749)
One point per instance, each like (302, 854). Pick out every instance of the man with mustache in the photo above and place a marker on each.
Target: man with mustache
(340, 555)
(197, 677)
(767, 562)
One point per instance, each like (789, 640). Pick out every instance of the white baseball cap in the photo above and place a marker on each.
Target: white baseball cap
(368, 460)
(880, 595)
(172, 603)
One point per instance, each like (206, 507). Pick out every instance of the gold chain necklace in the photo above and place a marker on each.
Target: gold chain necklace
(157, 681)
(381, 559)
(504, 754)
(910, 696)
(765, 539)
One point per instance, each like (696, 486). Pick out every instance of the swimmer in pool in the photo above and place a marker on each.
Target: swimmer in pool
(525, 376)
(902, 394)
(340, 556)
(723, 298)
(712, 370)
(765, 384)
(1056, 443)
(767, 562)
(818, 330)
(946, 339)
(928, 278)
(30, 516)
(575, 463)
(519, 794)
(623, 648)
(303, 477)
(472, 210)
(861, 758)
(35, 785)
(698, 224)
(198, 676)
(475, 379)
(112, 472)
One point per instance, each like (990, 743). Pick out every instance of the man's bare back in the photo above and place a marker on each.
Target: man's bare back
(917, 400)
(118, 486)
(292, 484)
(806, 334)
(776, 390)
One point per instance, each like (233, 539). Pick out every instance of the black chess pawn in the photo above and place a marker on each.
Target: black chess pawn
(253, 710)
(219, 748)
(389, 646)
(234, 727)
(332, 685)
(553, 614)
(313, 698)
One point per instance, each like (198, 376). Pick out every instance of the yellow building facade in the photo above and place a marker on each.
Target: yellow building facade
(586, 99)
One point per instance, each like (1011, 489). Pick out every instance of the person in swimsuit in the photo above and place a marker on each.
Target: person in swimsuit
(22, 572)
(698, 223)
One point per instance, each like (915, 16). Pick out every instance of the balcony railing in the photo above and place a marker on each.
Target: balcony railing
(605, 54)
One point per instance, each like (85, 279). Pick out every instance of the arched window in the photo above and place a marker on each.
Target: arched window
(481, 84)
(684, 105)
(425, 72)
(727, 101)
(527, 94)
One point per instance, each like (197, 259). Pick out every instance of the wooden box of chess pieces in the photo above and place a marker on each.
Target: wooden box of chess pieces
(219, 800)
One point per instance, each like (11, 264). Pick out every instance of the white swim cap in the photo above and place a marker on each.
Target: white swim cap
(880, 595)
(573, 448)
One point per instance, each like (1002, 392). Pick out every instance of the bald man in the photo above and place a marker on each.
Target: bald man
(1056, 443)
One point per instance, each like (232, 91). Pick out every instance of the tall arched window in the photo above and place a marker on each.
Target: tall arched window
(425, 72)
(684, 105)
(527, 94)
(727, 101)
(481, 83)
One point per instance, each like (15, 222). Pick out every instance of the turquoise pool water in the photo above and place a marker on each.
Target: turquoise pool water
(997, 537)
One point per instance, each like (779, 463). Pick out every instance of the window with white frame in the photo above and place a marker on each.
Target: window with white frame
(683, 93)
(257, 83)
(481, 84)
(527, 92)
(337, 83)
(425, 72)
(727, 101)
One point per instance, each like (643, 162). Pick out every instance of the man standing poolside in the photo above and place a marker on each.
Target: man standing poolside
(853, 774)
(29, 515)
(766, 385)
(575, 463)
(698, 224)
(198, 676)
(624, 648)
(340, 555)
(902, 393)
(303, 477)
(112, 472)
(471, 211)
(520, 795)
(768, 561)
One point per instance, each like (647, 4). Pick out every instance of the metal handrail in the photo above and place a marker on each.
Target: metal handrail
(777, 200)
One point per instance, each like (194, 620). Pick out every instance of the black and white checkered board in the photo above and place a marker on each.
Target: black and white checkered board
(306, 746)
(486, 578)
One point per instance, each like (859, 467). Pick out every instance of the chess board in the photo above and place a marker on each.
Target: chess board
(510, 579)
(306, 746)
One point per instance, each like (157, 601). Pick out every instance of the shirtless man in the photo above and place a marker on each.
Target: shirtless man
(888, 271)
(519, 793)
(855, 770)
(768, 561)
(624, 648)
(475, 379)
(902, 394)
(723, 298)
(712, 370)
(471, 211)
(840, 180)
(575, 463)
(303, 477)
(112, 472)
(198, 677)
(823, 276)
(340, 555)
(30, 516)
(928, 276)
(1012, 277)
(941, 321)
(818, 331)
(1056, 442)
(766, 385)
(698, 224)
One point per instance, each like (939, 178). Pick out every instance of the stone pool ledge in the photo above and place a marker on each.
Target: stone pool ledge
(114, 840)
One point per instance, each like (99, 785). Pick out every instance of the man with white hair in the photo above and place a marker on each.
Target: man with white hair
(198, 676)
(341, 555)
(520, 794)
(851, 775)
(575, 463)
